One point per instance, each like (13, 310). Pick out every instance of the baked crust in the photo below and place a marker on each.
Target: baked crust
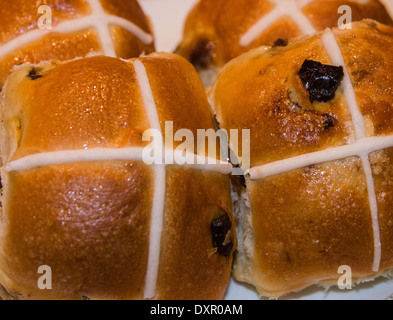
(292, 124)
(62, 44)
(213, 29)
(27, 13)
(90, 221)
(309, 222)
(187, 248)
(304, 223)
(381, 163)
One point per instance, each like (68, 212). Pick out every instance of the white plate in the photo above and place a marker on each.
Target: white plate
(167, 17)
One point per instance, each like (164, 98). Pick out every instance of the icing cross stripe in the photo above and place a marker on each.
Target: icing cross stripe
(293, 10)
(98, 19)
(283, 8)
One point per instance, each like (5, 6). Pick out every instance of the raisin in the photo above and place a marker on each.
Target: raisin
(320, 80)
(203, 53)
(328, 121)
(33, 75)
(280, 43)
(242, 180)
(220, 228)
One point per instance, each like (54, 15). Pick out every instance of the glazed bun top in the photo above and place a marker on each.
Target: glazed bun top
(95, 103)
(110, 223)
(218, 31)
(31, 32)
(320, 114)
(317, 92)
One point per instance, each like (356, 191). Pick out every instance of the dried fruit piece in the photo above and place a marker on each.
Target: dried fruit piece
(320, 80)
(33, 75)
(203, 53)
(221, 235)
(280, 43)
(328, 121)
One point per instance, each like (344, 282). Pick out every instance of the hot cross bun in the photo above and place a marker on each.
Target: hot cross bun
(318, 195)
(217, 31)
(79, 197)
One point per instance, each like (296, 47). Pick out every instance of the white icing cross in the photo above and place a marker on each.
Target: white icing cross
(159, 187)
(361, 147)
(98, 19)
(335, 54)
(283, 8)
(108, 154)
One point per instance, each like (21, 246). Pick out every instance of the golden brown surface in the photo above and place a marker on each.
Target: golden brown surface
(94, 102)
(381, 163)
(129, 10)
(171, 100)
(262, 87)
(54, 46)
(187, 255)
(371, 73)
(329, 16)
(20, 17)
(50, 103)
(222, 23)
(127, 45)
(90, 222)
(308, 222)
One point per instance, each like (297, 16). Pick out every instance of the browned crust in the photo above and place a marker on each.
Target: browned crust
(187, 254)
(128, 45)
(224, 22)
(129, 10)
(68, 46)
(262, 86)
(381, 162)
(52, 103)
(220, 22)
(89, 222)
(171, 100)
(329, 16)
(109, 112)
(308, 223)
(20, 16)
(54, 46)
(370, 66)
